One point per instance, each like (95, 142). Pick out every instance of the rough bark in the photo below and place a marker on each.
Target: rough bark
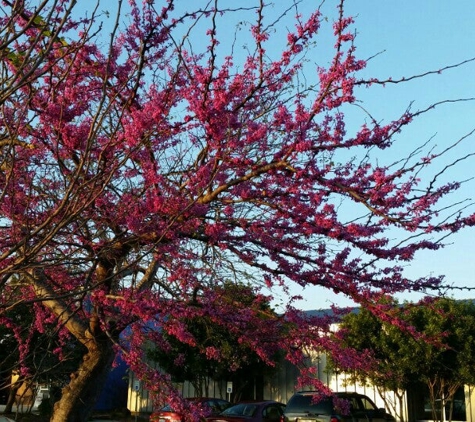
(79, 396)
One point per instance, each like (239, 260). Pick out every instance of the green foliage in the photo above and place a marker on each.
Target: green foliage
(237, 360)
(431, 343)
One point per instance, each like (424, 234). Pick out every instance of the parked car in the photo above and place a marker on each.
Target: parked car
(456, 406)
(209, 406)
(252, 411)
(308, 407)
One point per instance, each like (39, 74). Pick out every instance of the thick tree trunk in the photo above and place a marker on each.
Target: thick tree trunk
(79, 397)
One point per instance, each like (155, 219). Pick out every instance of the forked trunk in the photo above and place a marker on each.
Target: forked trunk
(79, 397)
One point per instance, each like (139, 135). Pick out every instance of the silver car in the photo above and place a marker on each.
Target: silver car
(310, 406)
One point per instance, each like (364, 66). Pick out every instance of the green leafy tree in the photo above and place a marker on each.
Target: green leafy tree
(447, 356)
(393, 358)
(433, 343)
(238, 362)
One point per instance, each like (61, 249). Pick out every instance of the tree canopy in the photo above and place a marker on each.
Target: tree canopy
(146, 164)
(432, 346)
(237, 361)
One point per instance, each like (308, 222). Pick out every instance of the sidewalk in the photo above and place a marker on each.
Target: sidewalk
(4, 418)
(20, 409)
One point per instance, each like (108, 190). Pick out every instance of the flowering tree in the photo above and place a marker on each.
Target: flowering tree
(140, 171)
(45, 366)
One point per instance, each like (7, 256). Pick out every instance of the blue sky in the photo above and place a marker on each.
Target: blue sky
(403, 38)
(414, 37)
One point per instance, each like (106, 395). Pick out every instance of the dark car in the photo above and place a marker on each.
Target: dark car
(252, 411)
(209, 407)
(307, 406)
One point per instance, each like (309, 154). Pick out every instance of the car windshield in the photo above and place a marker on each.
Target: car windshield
(310, 403)
(367, 404)
(242, 409)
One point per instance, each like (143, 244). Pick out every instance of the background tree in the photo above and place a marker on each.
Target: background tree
(432, 346)
(449, 359)
(237, 361)
(138, 173)
(394, 358)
